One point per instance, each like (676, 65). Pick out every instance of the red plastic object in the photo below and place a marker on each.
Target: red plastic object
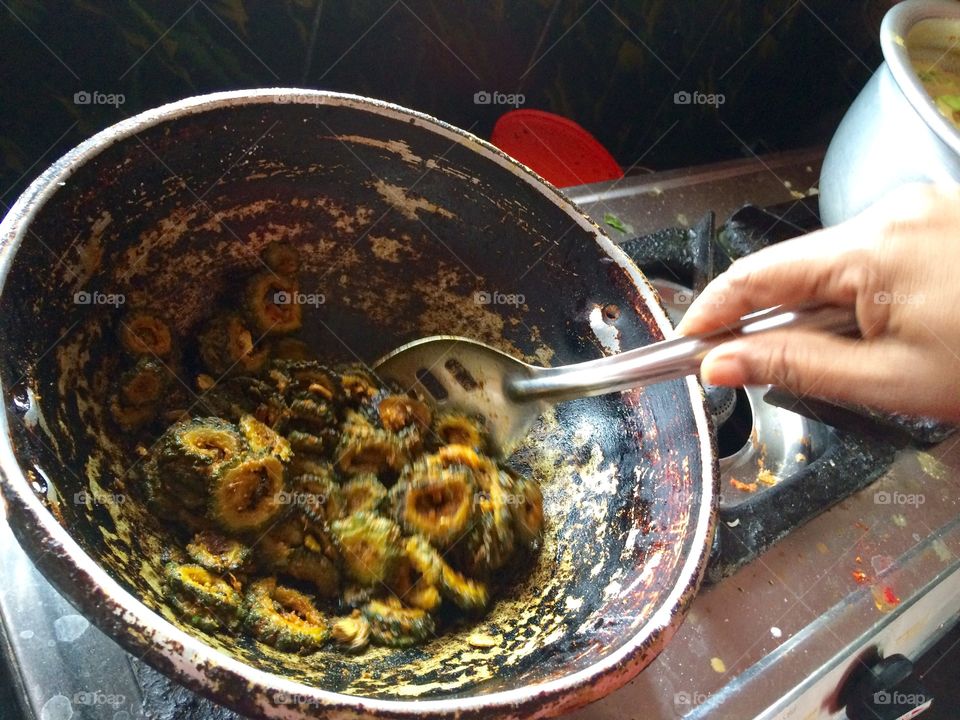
(556, 148)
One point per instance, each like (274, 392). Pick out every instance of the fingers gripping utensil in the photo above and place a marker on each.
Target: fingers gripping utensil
(468, 376)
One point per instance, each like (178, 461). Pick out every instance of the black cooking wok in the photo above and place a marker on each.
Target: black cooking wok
(408, 227)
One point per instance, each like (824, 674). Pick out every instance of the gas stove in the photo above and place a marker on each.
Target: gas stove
(838, 542)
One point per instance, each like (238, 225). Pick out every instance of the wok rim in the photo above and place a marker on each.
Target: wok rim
(187, 659)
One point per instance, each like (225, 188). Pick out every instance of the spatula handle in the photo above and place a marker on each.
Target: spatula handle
(670, 359)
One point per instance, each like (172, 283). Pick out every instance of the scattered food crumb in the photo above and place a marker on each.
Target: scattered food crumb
(717, 664)
(884, 599)
(767, 477)
(932, 466)
(735, 523)
(858, 560)
(482, 640)
(860, 577)
(822, 548)
(800, 458)
(861, 525)
(682, 219)
(742, 486)
(899, 520)
(776, 632)
(614, 222)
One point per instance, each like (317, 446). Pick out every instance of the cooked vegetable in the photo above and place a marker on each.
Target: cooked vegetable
(318, 496)
(272, 305)
(234, 397)
(412, 588)
(397, 626)
(262, 439)
(360, 387)
(459, 429)
(187, 457)
(144, 383)
(491, 540)
(228, 346)
(314, 567)
(287, 474)
(218, 553)
(467, 594)
(247, 494)
(353, 632)
(142, 333)
(399, 411)
(204, 600)
(435, 501)
(527, 512)
(283, 258)
(364, 448)
(284, 617)
(369, 546)
(363, 493)
(308, 378)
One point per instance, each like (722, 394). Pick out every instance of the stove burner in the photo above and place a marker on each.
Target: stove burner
(721, 403)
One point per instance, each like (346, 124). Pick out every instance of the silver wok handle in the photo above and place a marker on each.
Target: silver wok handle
(669, 359)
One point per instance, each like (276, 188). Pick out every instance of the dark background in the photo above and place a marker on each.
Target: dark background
(787, 68)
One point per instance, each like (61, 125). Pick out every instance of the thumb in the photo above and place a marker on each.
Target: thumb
(813, 363)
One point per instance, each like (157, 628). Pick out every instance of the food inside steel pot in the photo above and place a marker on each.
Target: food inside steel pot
(312, 503)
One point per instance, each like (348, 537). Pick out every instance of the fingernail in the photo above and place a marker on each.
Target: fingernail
(723, 370)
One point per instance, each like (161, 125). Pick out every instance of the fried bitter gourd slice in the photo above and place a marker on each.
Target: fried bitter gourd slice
(459, 429)
(363, 493)
(144, 383)
(412, 588)
(201, 598)
(400, 411)
(187, 457)
(396, 626)
(284, 618)
(218, 553)
(369, 546)
(527, 510)
(314, 567)
(352, 632)
(364, 448)
(263, 439)
(467, 594)
(282, 257)
(491, 540)
(435, 501)
(317, 494)
(272, 304)
(143, 333)
(360, 387)
(227, 345)
(248, 493)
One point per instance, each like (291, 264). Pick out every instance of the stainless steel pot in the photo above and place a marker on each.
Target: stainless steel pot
(893, 133)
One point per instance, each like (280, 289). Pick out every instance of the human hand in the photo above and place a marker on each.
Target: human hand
(898, 264)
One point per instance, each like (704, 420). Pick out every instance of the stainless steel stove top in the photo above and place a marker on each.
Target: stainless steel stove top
(879, 572)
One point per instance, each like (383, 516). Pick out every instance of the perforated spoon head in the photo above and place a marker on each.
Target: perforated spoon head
(463, 375)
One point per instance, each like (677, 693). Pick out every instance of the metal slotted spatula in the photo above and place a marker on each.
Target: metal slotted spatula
(474, 378)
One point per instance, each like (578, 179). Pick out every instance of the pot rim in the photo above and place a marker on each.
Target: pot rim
(894, 29)
(201, 667)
